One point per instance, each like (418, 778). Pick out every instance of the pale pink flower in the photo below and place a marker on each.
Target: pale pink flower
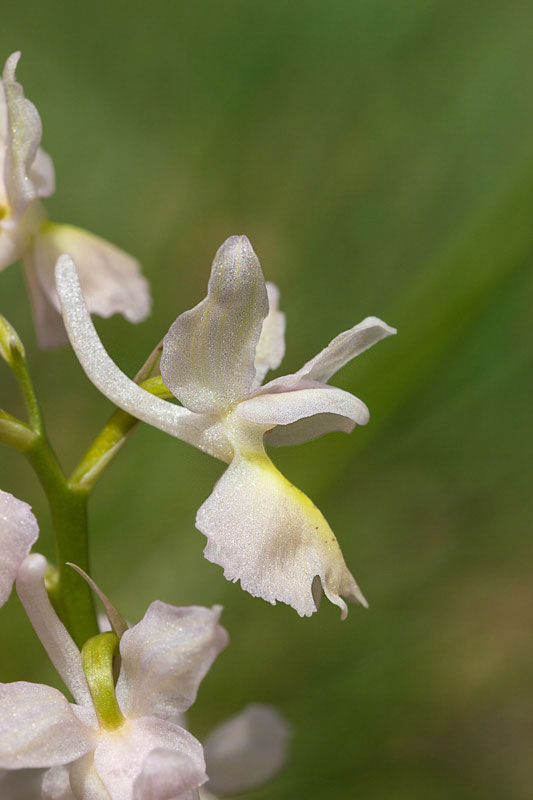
(260, 528)
(111, 278)
(138, 750)
(241, 754)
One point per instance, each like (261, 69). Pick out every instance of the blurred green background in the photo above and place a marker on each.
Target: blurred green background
(378, 155)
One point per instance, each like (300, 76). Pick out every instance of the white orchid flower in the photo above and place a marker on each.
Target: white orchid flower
(18, 532)
(111, 278)
(116, 742)
(260, 528)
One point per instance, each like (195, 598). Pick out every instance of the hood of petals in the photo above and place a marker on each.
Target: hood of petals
(165, 657)
(28, 172)
(271, 345)
(208, 359)
(18, 532)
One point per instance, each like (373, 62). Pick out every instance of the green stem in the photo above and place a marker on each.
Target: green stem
(68, 498)
(68, 506)
(20, 370)
(111, 438)
(14, 432)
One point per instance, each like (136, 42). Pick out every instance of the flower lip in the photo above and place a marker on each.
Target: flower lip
(28, 171)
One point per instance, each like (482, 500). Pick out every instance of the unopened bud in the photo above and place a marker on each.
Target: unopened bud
(10, 342)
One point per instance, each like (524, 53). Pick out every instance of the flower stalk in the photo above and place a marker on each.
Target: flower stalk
(68, 504)
(14, 432)
(68, 498)
(68, 507)
(111, 438)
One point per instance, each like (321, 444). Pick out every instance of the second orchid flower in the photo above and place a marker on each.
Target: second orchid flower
(111, 278)
(260, 528)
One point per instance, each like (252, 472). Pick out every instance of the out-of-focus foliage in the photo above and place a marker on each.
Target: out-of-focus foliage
(378, 155)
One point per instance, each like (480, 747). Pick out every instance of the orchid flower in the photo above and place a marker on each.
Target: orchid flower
(18, 532)
(116, 742)
(111, 279)
(260, 528)
(241, 754)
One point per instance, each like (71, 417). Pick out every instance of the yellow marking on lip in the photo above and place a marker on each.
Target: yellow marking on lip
(317, 520)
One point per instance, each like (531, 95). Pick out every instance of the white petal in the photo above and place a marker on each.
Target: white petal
(56, 785)
(54, 637)
(47, 320)
(209, 351)
(4, 135)
(246, 751)
(18, 532)
(304, 411)
(85, 781)
(21, 784)
(165, 657)
(266, 533)
(167, 775)
(111, 279)
(271, 346)
(308, 428)
(23, 139)
(42, 174)
(344, 347)
(117, 387)
(38, 727)
(306, 399)
(121, 757)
